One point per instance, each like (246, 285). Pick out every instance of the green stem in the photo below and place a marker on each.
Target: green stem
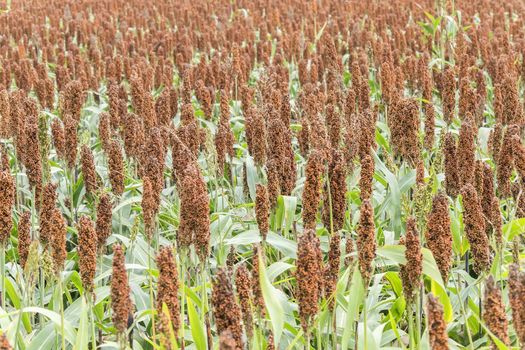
(464, 314)
(204, 296)
(418, 319)
(61, 304)
(91, 300)
(307, 343)
(411, 331)
(151, 298)
(183, 294)
(365, 328)
(2, 269)
(71, 195)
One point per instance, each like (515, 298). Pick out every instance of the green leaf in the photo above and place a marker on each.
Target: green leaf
(441, 294)
(244, 238)
(285, 212)
(128, 201)
(455, 227)
(14, 295)
(278, 268)
(354, 300)
(290, 205)
(272, 302)
(82, 338)
(251, 176)
(499, 344)
(395, 282)
(396, 253)
(196, 326)
(69, 331)
(285, 246)
(513, 228)
(43, 339)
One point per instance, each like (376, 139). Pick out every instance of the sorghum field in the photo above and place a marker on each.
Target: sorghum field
(278, 174)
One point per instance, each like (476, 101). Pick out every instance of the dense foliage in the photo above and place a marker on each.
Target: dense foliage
(328, 174)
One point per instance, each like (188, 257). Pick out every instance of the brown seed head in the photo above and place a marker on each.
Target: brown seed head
(226, 311)
(262, 210)
(333, 123)
(519, 155)
(74, 97)
(59, 138)
(448, 94)
(87, 252)
(516, 283)
(494, 142)
(182, 156)
(309, 277)
(24, 237)
(103, 223)
(49, 198)
(494, 312)
(168, 286)
(71, 140)
(194, 212)
(366, 240)
(88, 169)
(366, 124)
(404, 126)
(258, 299)
(331, 272)
(104, 130)
(437, 328)
(256, 135)
(58, 233)
(334, 203)
(312, 189)
(149, 206)
(32, 155)
(367, 176)
(120, 300)
(505, 162)
(116, 168)
(429, 126)
(439, 235)
(224, 138)
(7, 201)
(465, 153)
(412, 271)
(4, 342)
(244, 292)
(451, 165)
(134, 139)
(226, 341)
(475, 228)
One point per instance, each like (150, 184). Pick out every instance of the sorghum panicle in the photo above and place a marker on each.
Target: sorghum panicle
(312, 189)
(244, 291)
(412, 271)
(309, 277)
(437, 328)
(366, 240)
(168, 286)
(120, 291)
(7, 201)
(226, 311)
(87, 252)
(103, 223)
(494, 312)
(439, 234)
(262, 210)
(475, 228)
(24, 237)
